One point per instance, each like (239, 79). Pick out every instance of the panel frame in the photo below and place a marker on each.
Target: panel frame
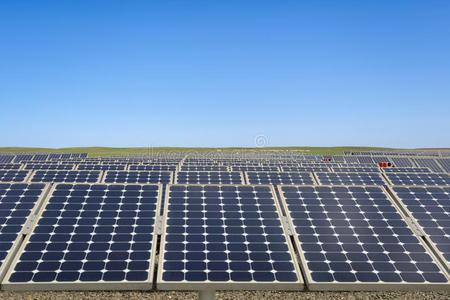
(321, 184)
(84, 286)
(99, 179)
(10, 257)
(299, 285)
(390, 183)
(359, 286)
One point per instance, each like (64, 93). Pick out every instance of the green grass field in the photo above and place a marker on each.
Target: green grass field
(107, 151)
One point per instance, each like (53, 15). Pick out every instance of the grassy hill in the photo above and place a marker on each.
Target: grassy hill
(107, 151)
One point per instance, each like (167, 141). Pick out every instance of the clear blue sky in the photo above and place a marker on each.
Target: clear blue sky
(219, 73)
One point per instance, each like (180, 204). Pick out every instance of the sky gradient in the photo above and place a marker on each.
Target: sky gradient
(220, 73)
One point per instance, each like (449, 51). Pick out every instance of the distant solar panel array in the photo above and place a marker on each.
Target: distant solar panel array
(225, 220)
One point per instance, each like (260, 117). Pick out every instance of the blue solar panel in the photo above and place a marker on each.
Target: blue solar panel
(428, 163)
(163, 177)
(357, 169)
(402, 162)
(102, 167)
(204, 168)
(90, 234)
(66, 176)
(277, 178)
(17, 200)
(8, 166)
(350, 179)
(193, 177)
(153, 168)
(255, 169)
(406, 170)
(430, 207)
(225, 234)
(54, 166)
(350, 235)
(305, 169)
(418, 178)
(13, 175)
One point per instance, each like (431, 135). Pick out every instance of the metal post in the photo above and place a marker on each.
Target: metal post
(207, 295)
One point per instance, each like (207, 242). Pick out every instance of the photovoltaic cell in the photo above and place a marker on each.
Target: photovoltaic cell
(163, 177)
(49, 167)
(277, 178)
(17, 200)
(193, 177)
(255, 169)
(350, 179)
(88, 236)
(9, 166)
(351, 235)
(229, 235)
(66, 176)
(430, 207)
(418, 178)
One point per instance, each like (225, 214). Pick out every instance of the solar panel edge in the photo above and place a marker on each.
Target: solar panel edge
(430, 245)
(248, 181)
(104, 177)
(99, 285)
(241, 175)
(352, 286)
(12, 253)
(176, 285)
(33, 173)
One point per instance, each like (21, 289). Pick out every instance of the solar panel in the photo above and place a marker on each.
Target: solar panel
(406, 170)
(402, 162)
(163, 177)
(66, 176)
(209, 177)
(418, 178)
(101, 167)
(353, 238)
(318, 164)
(365, 159)
(13, 175)
(445, 164)
(225, 237)
(357, 169)
(153, 168)
(276, 178)
(349, 179)
(430, 208)
(428, 163)
(55, 166)
(90, 237)
(17, 202)
(8, 166)
(254, 169)
(305, 169)
(204, 168)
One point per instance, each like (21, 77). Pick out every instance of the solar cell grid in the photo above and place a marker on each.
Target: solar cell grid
(418, 178)
(354, 238)
(153, 168)
(349, 179)
(66, 176)
(101, 167)
(255, 168)
(163, 177)
(430, 207)
(203, 168)
(406, 170)
(87, 236)
(305, 169)
(17, 202)
(8, 166)
(225, 237)
(54, 166)
(193, 177)
(357, 169)
(13, 175)
(277, 178)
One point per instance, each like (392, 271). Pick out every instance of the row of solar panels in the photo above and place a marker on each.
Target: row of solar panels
(305, 167)
(206, 177)
(99, 236)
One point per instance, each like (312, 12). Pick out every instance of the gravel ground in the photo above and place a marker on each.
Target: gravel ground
(248, 295)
